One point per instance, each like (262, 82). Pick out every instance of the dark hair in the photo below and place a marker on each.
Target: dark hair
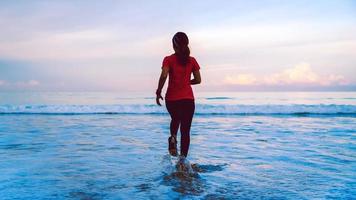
(180, 44)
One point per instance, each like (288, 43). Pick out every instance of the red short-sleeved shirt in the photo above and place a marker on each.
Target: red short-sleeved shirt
(179, 78)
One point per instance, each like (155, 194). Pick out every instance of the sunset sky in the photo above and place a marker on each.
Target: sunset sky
(120, 45)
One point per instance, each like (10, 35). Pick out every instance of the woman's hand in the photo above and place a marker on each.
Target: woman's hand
(162, 80)
(158, 96)
(197, 78)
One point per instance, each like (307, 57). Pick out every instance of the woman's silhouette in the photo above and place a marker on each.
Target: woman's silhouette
(179, 96)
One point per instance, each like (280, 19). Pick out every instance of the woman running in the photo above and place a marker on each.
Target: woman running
(179, 96)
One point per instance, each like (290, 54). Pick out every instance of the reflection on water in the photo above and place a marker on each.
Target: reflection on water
(125, 157)
(185, 183)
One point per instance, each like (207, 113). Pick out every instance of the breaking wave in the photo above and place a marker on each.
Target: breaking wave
(201, 109)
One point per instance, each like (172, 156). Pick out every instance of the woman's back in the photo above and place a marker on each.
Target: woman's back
(179, 86)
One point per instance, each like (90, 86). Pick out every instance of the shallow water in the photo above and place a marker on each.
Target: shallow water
(292, 145)
(124, 156)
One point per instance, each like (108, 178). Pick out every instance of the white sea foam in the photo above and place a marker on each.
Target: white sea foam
(201, 109)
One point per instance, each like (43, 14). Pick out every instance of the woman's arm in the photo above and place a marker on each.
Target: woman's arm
(196, 79)
(162, 80)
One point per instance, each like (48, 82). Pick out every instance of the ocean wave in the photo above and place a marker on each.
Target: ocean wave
(201, 109)
(218, 98)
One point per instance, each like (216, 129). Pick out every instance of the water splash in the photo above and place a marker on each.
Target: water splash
(179, 174)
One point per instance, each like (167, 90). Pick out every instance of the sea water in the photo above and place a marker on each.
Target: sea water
(295, 145)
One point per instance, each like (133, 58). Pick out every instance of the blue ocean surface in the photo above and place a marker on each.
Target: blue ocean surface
(250, 145)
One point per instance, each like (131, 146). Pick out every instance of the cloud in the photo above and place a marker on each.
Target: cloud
(33, 83)
(19, 85)
(230, 37)
(300, 74)
(27, 84)
(90, 44)
(241, 79)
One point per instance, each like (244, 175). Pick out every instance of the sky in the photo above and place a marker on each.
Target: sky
(119, 46)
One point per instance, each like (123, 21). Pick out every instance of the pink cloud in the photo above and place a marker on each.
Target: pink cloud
(241, 79)
(301, 74)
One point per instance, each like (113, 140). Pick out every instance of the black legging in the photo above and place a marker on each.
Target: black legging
(181, 112)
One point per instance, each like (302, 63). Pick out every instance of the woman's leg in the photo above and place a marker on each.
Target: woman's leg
(173, 110)
(188, 108)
